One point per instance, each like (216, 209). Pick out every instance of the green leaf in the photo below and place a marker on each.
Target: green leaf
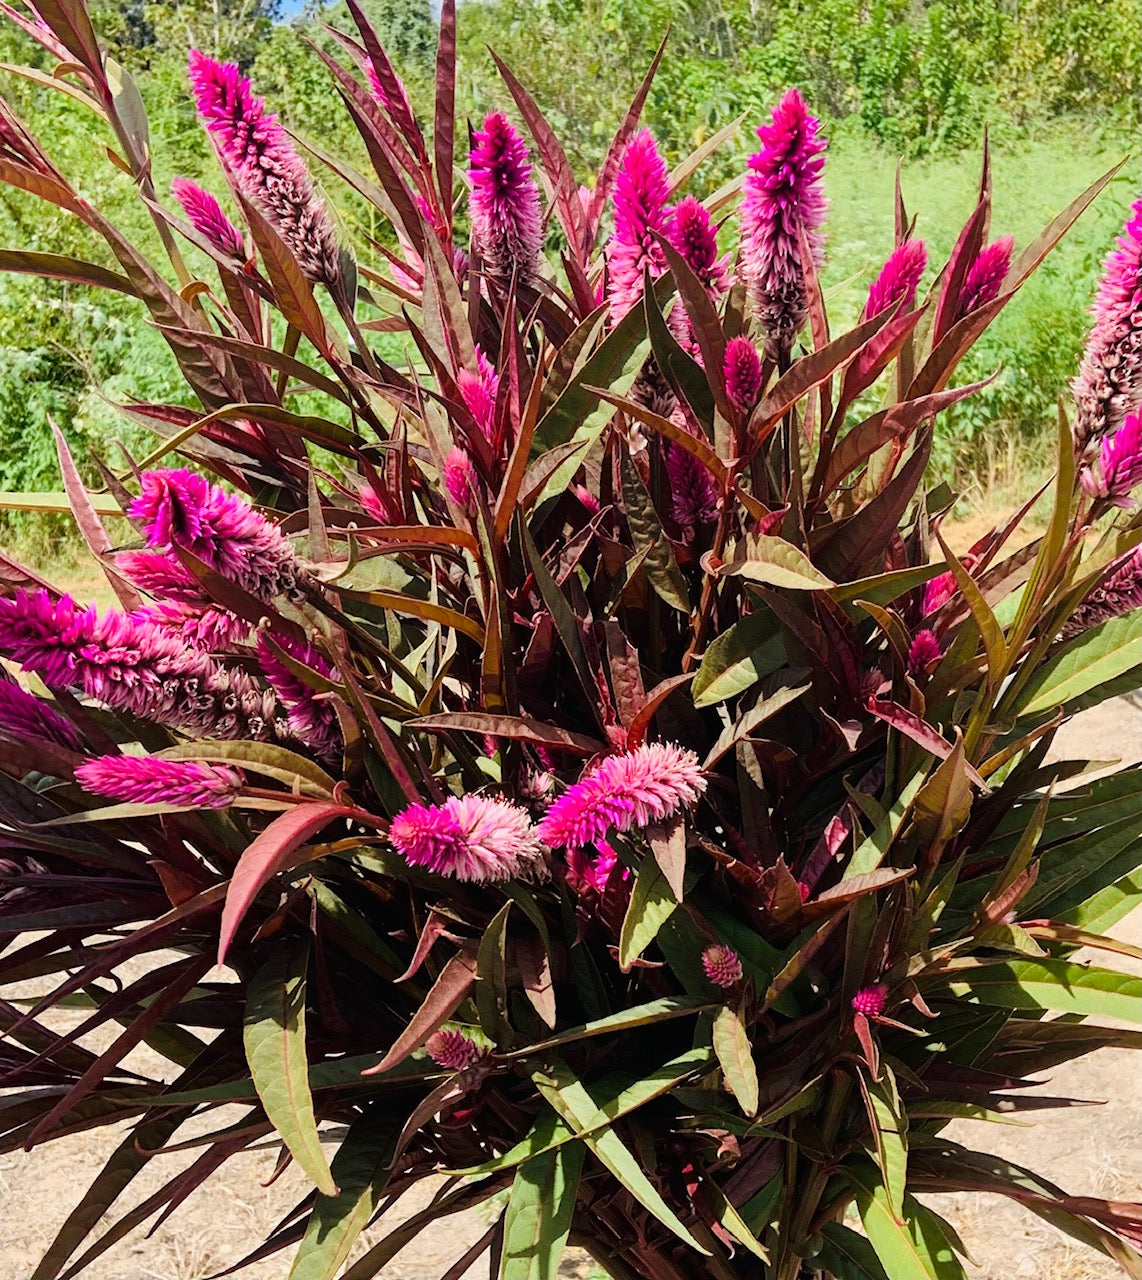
(1057, 985)
(755, 716)
(889, 1123)
(847, 1255)
(763, 558)
(1086, 662)
(539, 1213)
(652, 903)
(738, 658)
(731, 1044)
(274, 1036)
(872, 850)
(944, 802)
(491, 979)
(640, 1015)
(916, 1248)
(260, 757)
(361, 1169)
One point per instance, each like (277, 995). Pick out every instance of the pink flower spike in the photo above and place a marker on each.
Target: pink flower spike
(591, 868)
(742, 370)
(642, 786)
(264, 166)
(696, 239)
(1118, 468)
(986, 276)
(722, 966)
(478, 391)
(1120, 592)
(453, 1050)
(312, 720)
(871, 1000)
(192, 784)
(1109, 384)
(923, 650)
(206, 217)
(460, 479)
(693, 499)
(23, 715)
(507, 226)
(783, 198)
(476, 838)
(938, 592)
(899, 279)
(641, 191)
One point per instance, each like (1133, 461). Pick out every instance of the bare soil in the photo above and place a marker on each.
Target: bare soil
(1087, 1150)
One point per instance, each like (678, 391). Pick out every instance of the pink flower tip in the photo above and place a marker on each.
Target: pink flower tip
(695, 237)
(986, 276)
(453, 1050)
(899, 278)
(477, 838)
(507, 225)
(191, 784)
(1117, 469)
(871, 1000)
(722, 965)
(923, 650)
(206, 217)
(742, 369)
(641, 192)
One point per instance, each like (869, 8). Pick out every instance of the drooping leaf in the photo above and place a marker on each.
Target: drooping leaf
(735, 1056)
(539, 1213)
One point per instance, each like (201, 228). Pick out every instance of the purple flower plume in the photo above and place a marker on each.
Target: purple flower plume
(453, 1050)
(986, 275)
(312, 720)
(207, 218)
(471, 837)
(1118, 468)
(23, 715)
(783, 198)
(642, 786)
(871, 1000)
(641, 191)
(181, 509)
(696, 239)
(925, 648)
(1119, 592)
(151, 780)
(899, 279)
(479, 390)
(506, 222)
(264, 166)
(742, 371)
(1109, 384)
(693, 498)
(722, 965)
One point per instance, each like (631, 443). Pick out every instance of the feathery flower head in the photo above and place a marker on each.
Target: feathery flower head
(214, 630)
(696, 239)
(506, 222)
(925, 648)
(591, 868)
(23, 715)
(151, 780)
(161, 574)
(312, 720)
(379, 505)
(1120, 592)
(460, 478)
(871, 1000)
(722, 965)
(637, 788)
(783, 198)
(986, 275)
(1109, 384)
(1118, 468)
(472, 837)
(479, 390)
(899, 278)
(742, 370)
(206, 217)
(943, 587)
(453, 1049)
(260, 158)
(693, 499)
(641, 191)
(181, 509)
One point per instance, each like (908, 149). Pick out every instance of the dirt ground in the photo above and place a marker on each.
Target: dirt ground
(1094, 1150)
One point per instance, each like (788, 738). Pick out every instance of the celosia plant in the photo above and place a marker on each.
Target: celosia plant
(601, 779)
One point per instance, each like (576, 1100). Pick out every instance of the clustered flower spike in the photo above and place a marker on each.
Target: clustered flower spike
(693, 498)
(722, 965)
(986, 275)
(312, 720)
(641, 192)
(23, 715)
(470, 837)
(899, 279)
(1118, 467)
(460, 479)
(182, 509)
(925, 648)
(453, 1050)
(479, 390)
(213, 630)
(507, 226)
(591, 868)
(695, 237)
(1109, 384)
(129, 663)
(207, 218)
(742, 371)
(1120, 592)
(783, 199)
(192, 784)
(264, 166)
(871, 1000)
(646, 785)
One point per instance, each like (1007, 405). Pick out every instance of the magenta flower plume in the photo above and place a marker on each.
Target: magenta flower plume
(1109, 384)
(23, 715)
(871, 1000)
(986, 275)
(151, 780)
(460, 479)
(1119, 592)
(722, 966)
(642, 786)
(925, 648)
(453, 1050)
(264, 166)
(207, 218)
(899, 279)
(471, 837)
(693, 498)
(312, 720)
(161, 574)
(181, 509)
(696, 239)
(1118, 468)
(507, 226)
(742, 370)
(591, 868)
(214, 630)
(479, 390)
(938, 592)
(641, 191)
(783, 199)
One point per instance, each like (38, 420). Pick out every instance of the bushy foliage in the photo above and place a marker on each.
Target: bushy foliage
(549, 692)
